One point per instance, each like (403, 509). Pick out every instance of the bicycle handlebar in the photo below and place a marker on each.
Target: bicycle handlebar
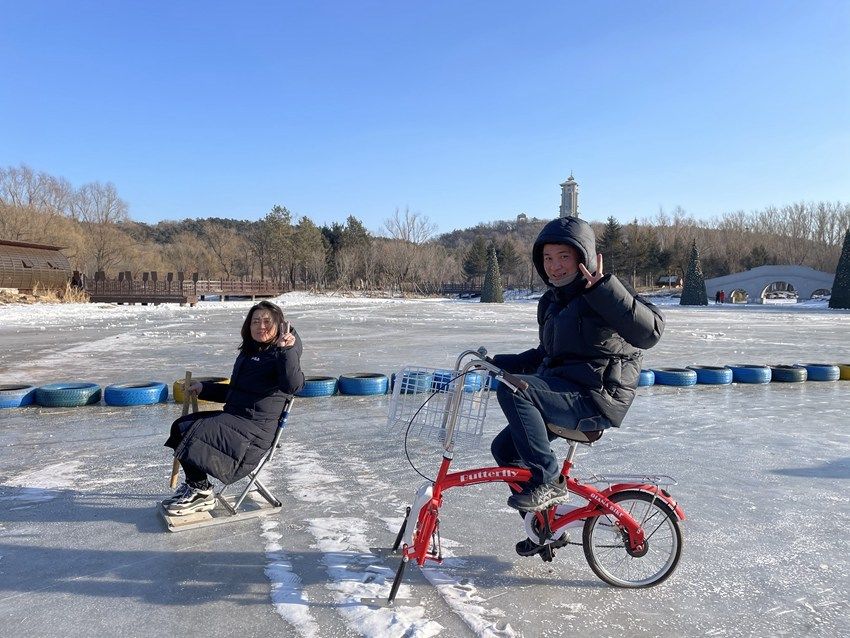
(485, 362)
(518, 383)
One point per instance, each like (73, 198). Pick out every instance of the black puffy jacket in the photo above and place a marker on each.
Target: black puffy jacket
(228, 444)
(590, 336)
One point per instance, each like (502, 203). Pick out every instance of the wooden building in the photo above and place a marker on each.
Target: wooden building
(25, 266)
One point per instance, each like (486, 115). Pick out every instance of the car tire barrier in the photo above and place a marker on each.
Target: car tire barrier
(318, 387)
(788, 374)
(67, 395)
(713, 375)
(750, 373)
(674, 376)
(72, 394)
(177, 386)
(416, 381)
(822, 371)
(16, 396)
(445, 379)
(363, 383)
(135, 393)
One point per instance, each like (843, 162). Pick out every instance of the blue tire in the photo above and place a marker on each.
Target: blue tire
(442, 379)
(647, 378)
(712, 375)
(16, 396)
(674, 376)
(318, 387)
(135, 393)
(750, 373)
(416, 381)
(67, 395)
(363, 383)
(822, 371)
(472, 381)
(788, 374)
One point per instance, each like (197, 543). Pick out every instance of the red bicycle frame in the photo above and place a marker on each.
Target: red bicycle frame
(430, 498)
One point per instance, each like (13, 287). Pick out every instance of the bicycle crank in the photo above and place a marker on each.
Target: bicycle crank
(547, 551)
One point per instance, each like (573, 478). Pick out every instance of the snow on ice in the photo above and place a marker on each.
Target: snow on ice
(762, 470)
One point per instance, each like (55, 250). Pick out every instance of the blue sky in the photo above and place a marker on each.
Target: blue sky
(462, 111)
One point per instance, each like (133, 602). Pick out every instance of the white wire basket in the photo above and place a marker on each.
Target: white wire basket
(423, 399)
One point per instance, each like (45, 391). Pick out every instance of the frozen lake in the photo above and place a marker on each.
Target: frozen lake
(763, 477)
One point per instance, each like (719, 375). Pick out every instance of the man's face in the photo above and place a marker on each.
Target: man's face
(560, 260)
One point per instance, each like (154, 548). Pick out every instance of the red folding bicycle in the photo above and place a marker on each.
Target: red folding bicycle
(632, 532)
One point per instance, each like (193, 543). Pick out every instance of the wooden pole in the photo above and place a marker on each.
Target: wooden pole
(175, 466)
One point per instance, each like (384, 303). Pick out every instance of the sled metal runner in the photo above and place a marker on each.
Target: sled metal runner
(254, 500)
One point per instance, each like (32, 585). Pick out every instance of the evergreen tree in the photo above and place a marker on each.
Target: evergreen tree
(491, 292)
(611, 245)
(693, 290)
(509, 259)
(475, 259)
(840, 297)
(355, 235)
(277, 227)
(309, 246)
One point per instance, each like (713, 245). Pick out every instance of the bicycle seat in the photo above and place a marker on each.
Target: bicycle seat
(570, 434)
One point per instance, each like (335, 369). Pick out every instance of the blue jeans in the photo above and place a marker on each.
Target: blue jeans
(526, 441)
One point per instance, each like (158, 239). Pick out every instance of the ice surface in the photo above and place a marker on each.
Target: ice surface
(763, 474)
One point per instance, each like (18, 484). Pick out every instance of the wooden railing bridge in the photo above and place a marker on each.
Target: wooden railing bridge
(149, 288)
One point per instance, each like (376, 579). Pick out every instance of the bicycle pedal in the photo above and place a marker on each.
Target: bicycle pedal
(547, 553)
(560, 542)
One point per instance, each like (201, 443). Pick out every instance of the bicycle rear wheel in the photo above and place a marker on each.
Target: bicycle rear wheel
(606, 542)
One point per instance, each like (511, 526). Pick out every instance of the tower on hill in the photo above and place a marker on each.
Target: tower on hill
(569, 197)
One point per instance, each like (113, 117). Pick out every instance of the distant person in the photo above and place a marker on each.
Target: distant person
(585, 370)
(717, 297)
(227, 444)
(722, 296)
(76, 280)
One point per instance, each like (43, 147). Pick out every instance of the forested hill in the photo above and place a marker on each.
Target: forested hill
(165, 232)
(493, 233)
(94, 226)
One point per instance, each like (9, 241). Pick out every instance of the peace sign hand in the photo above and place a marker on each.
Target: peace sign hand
(596, 276)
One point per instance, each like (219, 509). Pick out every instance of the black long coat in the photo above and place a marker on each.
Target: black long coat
(590, 336)
(229, 443)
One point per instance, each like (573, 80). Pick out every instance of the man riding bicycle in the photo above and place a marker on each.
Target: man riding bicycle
(584, 372)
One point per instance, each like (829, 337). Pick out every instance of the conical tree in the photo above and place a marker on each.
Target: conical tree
(693, 290)
(840, 297)
(491, 292)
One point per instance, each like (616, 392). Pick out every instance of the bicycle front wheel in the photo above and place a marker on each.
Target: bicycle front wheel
(606, 547)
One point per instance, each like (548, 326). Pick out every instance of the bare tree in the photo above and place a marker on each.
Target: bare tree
(410, 227)
(228, 247)
(99, 209)
(796, 221)
(31, 203)
(410, 230)
(188, 253)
